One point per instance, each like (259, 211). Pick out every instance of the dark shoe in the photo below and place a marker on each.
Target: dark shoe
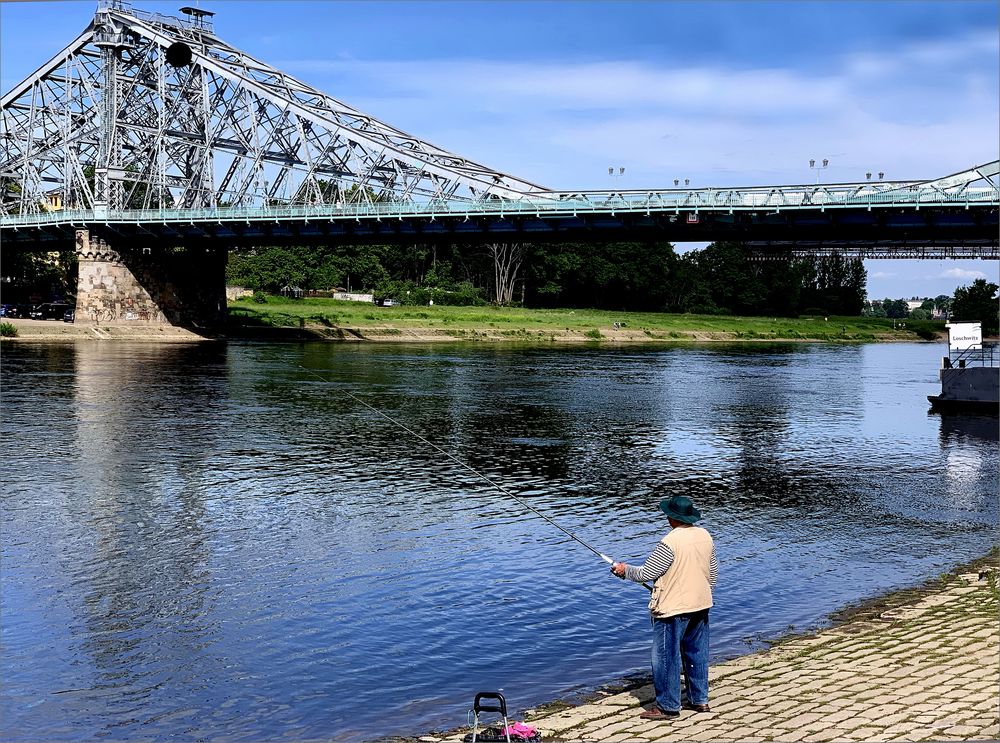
(698, 707)
(655, 713)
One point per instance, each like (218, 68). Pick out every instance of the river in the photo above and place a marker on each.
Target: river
(223, 541)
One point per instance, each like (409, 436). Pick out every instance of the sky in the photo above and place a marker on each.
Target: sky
(721, 93)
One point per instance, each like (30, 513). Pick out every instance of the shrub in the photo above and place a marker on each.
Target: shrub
(594, 333)
(407, 292)
(7, 330)
(259, 297)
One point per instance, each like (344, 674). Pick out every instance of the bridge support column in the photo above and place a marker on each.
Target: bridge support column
(149, 286)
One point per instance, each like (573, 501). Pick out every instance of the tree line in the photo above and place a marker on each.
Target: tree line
(722, 278)
(976, 302)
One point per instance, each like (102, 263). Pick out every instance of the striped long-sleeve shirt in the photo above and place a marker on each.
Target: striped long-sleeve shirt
(660, 561)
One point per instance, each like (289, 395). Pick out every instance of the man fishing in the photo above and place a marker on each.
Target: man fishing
(684, 570)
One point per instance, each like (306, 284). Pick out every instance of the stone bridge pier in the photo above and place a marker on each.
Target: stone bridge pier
(153, 285)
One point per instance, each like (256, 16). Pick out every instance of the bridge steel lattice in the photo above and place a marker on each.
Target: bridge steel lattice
(148, 128)
(166, 113)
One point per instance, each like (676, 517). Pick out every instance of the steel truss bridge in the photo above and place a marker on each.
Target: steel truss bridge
(150, 129)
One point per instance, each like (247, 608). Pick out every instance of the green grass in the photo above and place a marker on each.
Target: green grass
(588, 323)
(7, 330)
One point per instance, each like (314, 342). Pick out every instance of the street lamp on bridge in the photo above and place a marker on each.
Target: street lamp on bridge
(818, 168)
(619, 174)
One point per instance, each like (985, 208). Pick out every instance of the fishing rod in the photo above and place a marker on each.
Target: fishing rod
(462, 464)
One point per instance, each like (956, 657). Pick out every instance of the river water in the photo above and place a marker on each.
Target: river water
(211, 541)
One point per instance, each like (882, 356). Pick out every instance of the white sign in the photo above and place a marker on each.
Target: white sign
(963, 335)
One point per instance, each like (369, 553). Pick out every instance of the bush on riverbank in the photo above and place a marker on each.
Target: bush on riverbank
(417, 295)
(7, 330)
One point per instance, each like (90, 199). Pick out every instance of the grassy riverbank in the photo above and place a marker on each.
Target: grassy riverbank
(362, 321)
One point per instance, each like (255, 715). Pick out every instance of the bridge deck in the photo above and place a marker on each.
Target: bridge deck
(884, 222)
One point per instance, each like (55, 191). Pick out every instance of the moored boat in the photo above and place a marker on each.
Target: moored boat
(970, 373)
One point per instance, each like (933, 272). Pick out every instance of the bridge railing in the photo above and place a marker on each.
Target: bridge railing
(551, 203)
(803, 197)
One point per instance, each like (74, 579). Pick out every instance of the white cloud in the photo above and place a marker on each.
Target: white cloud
(917, 111)
(942, 52)
(961, 273)
(882, 274)
(599, 85)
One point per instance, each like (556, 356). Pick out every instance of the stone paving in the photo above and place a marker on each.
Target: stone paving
(929, 671)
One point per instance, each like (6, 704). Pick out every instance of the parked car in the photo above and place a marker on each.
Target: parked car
(13, 310)
(69, 315)
(49, 311)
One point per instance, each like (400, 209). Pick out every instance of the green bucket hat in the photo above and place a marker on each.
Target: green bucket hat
(680, 508)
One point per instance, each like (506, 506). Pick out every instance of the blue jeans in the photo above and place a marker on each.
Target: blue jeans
(676, 640)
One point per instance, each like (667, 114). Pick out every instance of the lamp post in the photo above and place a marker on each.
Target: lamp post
(868, 175)
(818, 168)
(677, 182)
(619, 174)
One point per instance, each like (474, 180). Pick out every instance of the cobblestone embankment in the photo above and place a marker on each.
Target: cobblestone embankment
(927, 670)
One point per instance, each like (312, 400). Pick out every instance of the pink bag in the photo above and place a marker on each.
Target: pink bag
(520, 731)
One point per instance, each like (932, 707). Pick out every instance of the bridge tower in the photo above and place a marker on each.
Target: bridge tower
(109, 191)
(144, 112)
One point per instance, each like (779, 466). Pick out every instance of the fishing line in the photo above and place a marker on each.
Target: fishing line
(462, 464)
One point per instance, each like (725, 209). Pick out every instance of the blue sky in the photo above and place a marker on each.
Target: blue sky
(722, 93)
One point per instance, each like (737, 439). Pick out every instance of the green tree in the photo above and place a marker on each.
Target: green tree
(47, 275)
(687, 290)
(10, 192)
(730, 280)
(873, 309)
(365, 269)
(977, 303)
(836, 286)
(627, 276)
(895, 308)
(267, 269)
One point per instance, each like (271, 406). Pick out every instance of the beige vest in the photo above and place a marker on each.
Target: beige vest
(684, 587)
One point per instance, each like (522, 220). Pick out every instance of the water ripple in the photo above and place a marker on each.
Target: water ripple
(218, 544)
